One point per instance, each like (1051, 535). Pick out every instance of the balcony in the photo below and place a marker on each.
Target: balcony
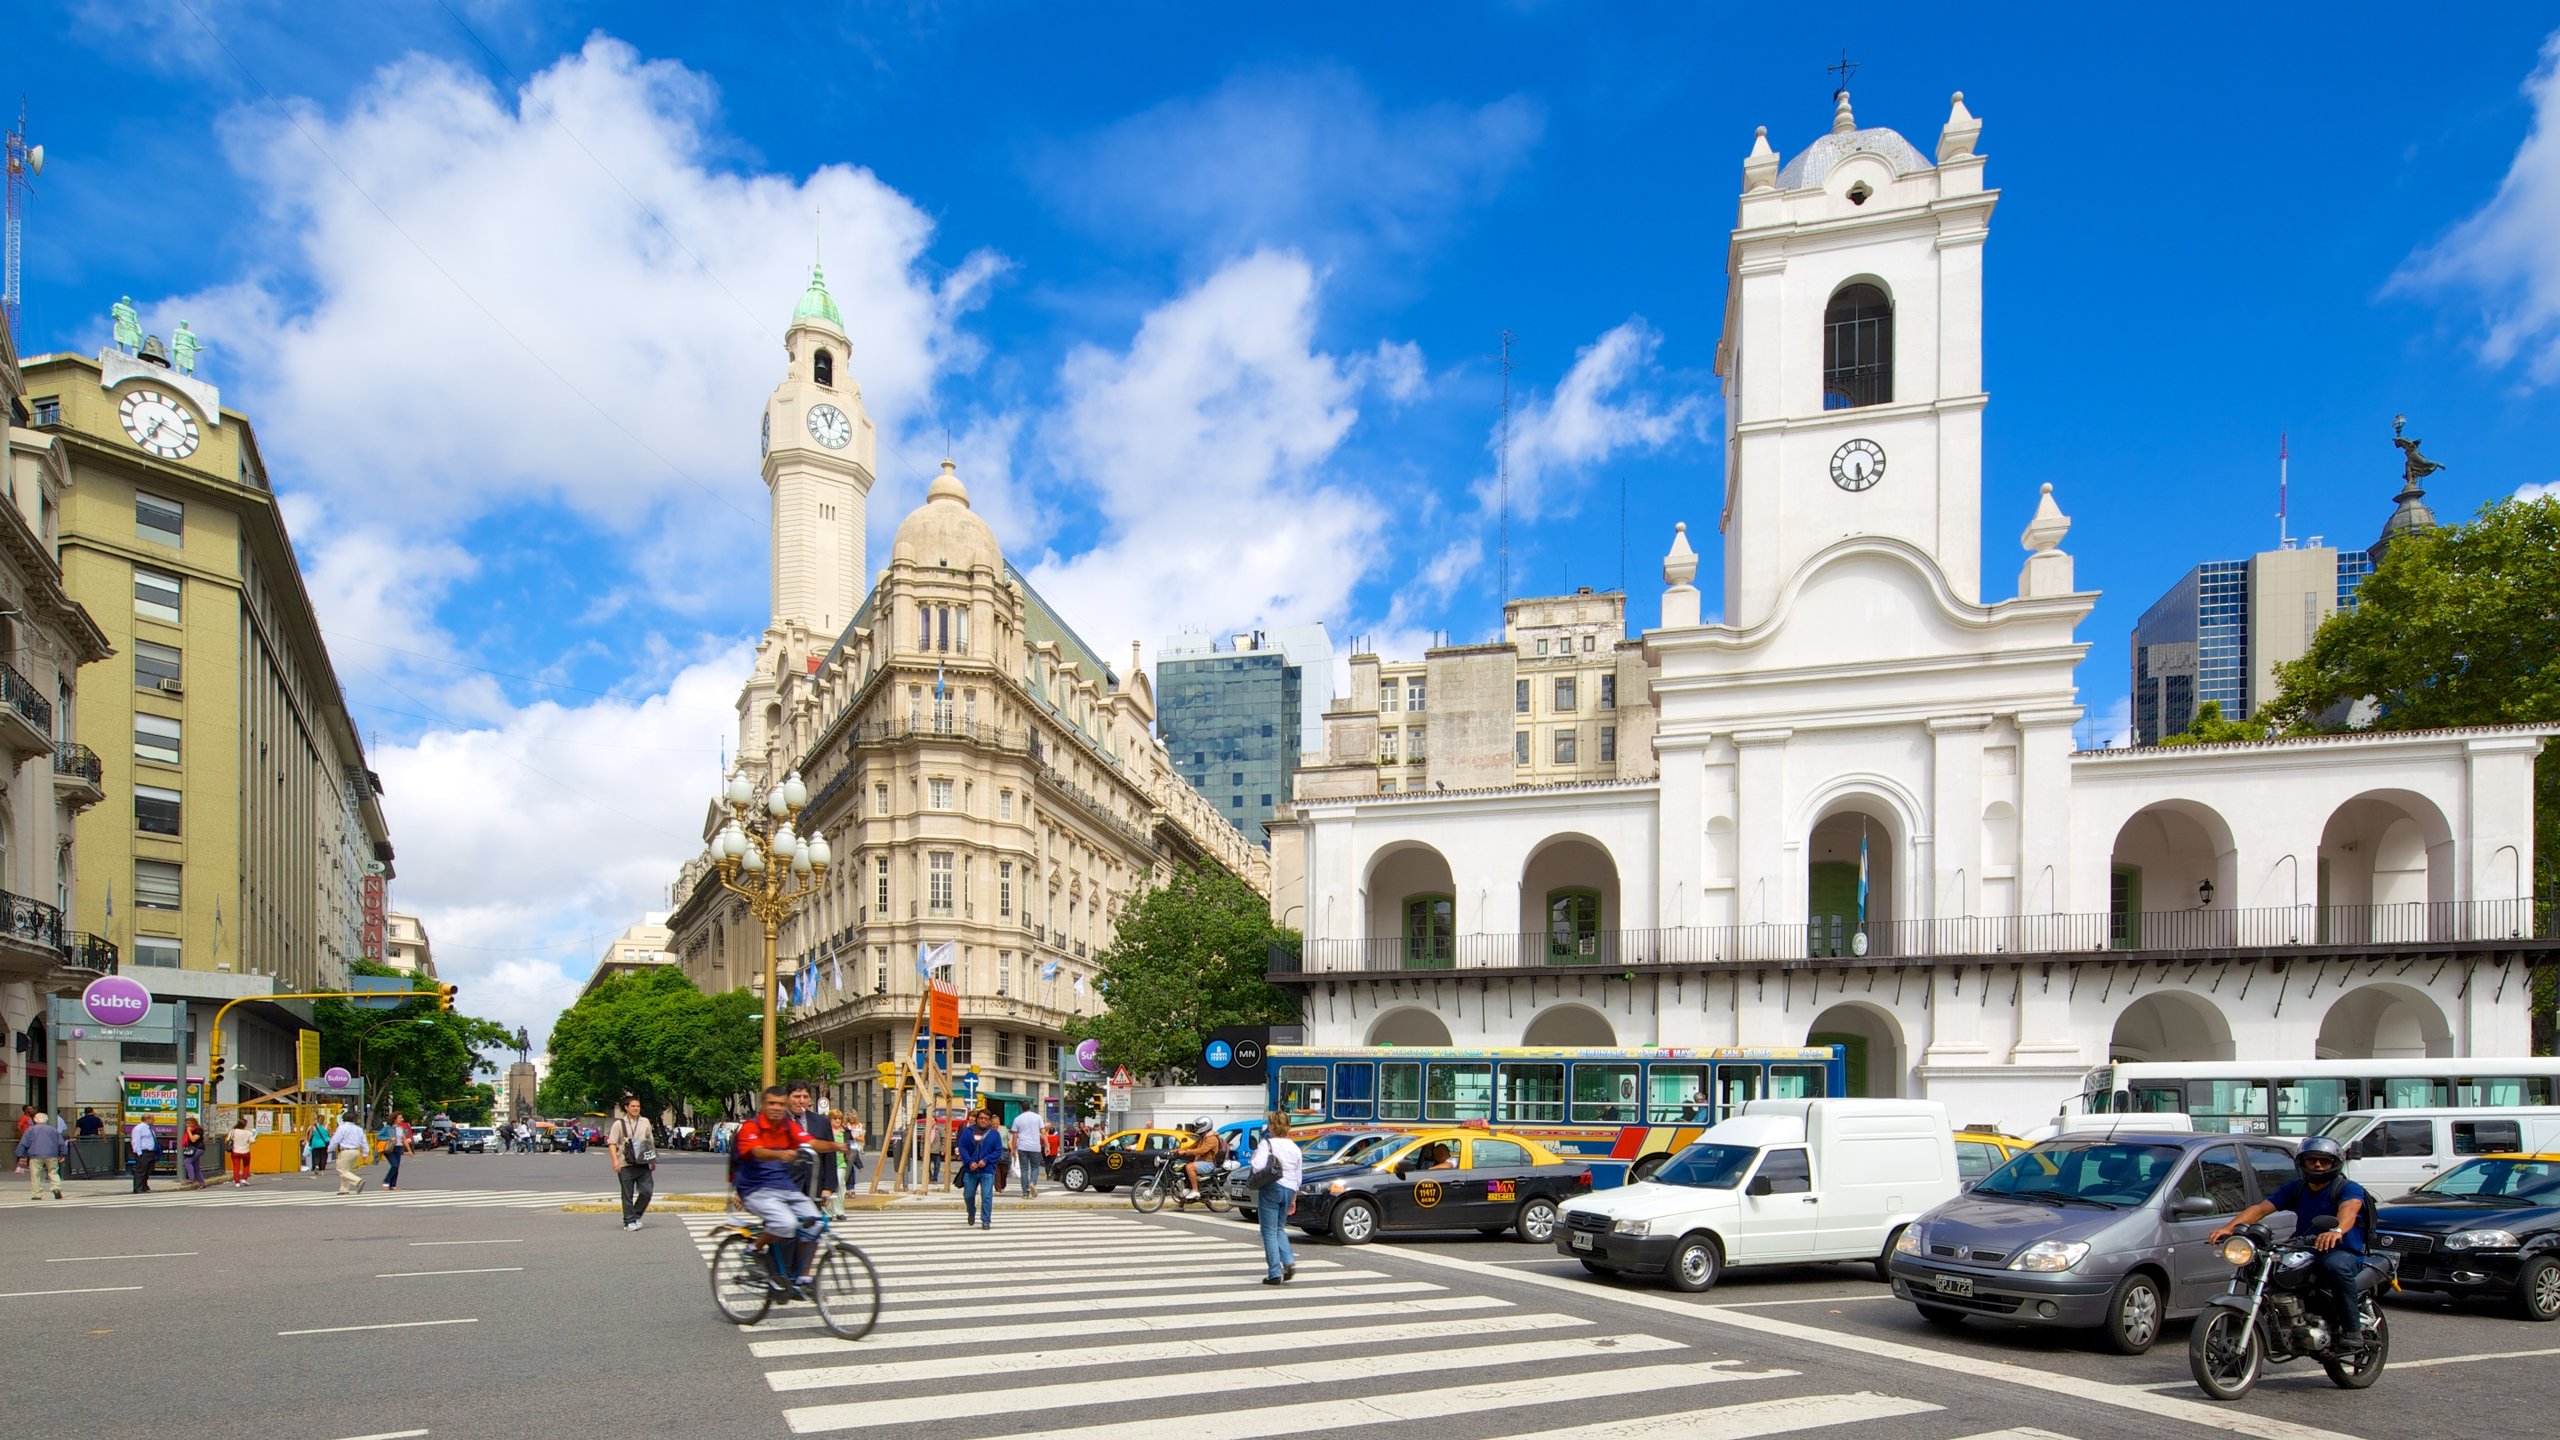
(90, 954)
(2220, 935)
(78, 777)
(31, 936)
(26, 718)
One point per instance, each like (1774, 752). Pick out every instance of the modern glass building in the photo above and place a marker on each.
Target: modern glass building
(1229, 717)
(2213, 636)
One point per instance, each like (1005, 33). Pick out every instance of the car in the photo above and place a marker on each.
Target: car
(2098, 1232)
(1117, 1160)
(2489, 1228)
(476, 1139)
(1317, 1145)
(1491, 1182)
(1981, 1150)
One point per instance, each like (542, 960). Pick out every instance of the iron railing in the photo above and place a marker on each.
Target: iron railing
(1969, 937)
(92, 953)
(32, 921)
(22, 696)
(70, 757)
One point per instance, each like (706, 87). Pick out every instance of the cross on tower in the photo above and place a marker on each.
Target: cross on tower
(1845, 69)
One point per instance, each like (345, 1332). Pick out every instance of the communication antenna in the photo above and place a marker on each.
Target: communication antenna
(1501, 461)
(2284, 466)
(24, 162)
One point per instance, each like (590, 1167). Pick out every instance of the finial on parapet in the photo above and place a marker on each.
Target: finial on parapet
(1956, 140)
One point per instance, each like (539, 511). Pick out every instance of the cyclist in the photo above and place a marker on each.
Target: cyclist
(1206, 1147)
(760, 1159)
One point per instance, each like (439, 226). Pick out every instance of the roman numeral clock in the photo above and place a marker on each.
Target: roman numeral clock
(1857, 465)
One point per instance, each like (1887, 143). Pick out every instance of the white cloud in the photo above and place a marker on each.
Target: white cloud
(1604, 406)
(2546, 490)
(2505, 254)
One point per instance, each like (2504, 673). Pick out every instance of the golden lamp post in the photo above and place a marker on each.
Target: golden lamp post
(764, 863)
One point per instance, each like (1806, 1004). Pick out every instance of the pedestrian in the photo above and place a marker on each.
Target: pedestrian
(191, 1154)
(1277, 1172)
(856, 1135)
(25, 1118)
(240, 1138)
(632, 1146)
(145, 1144)
(395, 1139)
(980, 1149)
(825, 1175)
(40, 1149)
(89, 1123)
(319, 1145)
(1028, 1128)
(351, 1150)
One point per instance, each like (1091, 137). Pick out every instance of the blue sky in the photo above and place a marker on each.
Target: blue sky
(1206, 299)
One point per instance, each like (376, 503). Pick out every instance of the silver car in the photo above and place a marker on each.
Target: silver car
(2094, 1232)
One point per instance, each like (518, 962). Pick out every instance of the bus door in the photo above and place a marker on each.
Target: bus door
(1737, 1084)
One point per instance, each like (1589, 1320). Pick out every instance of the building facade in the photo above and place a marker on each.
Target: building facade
(1229, 715)
(1869, 825)
(406, 947)
(642, 945)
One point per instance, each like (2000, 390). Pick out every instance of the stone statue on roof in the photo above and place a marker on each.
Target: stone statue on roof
(128, 323)
(183, 349)
(2414, 466)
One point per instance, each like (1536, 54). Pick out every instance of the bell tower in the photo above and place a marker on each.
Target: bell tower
(819, 456)
(1852, 356)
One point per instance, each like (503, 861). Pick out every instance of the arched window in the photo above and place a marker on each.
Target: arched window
(825, 368)
(1857, 349)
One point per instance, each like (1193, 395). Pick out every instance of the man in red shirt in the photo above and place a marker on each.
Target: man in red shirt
(760, 1170)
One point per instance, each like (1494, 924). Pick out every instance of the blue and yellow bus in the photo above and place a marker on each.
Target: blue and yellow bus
(1625, 1111)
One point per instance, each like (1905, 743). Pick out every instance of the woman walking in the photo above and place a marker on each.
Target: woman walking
(237, 1148)
(1277, 1172)
(319, 1143)
(191, 1154)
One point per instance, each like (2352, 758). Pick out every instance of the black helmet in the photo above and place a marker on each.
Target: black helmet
(2320, 1146)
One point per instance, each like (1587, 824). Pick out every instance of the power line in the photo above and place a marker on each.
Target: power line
(1502, 473)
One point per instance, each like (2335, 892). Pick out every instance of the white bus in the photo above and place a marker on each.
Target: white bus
(2254, 1097)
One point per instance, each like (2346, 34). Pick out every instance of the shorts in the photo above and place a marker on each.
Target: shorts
(785, 1213)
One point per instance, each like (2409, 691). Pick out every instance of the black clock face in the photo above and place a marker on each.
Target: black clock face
(1857, 465)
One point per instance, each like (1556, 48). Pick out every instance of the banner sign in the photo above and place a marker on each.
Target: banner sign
(943, 1014)
(157, 1099)
(376, 906)
(306, 1046)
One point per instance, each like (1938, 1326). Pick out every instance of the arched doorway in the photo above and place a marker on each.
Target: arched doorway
(1408, 1025)
(1569, 902)
(2171, 1025)
(1569, 1025)
(1413, 910)
(2385, 1022)
(2169, 878)
(2384, 856)
(1873, 1041)
(1849, 879)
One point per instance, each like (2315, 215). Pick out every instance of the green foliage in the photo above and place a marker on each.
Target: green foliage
(653, 1034)
(1187, 958)
(415, 1057)
(474, 1107)
(2209, 728)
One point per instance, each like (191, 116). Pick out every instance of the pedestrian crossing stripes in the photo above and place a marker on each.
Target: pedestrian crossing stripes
(371, 1197)
(1108, 1327)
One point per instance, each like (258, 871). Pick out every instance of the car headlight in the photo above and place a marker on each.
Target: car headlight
(1630, 1227)
(1333, 1189)
(2239, 1250)
(1909, 1242)
(2481, 1240)
(2046, 1256)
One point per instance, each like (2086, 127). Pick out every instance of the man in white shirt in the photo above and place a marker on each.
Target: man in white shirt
(350, 1149)
(145, 1143)
(1027, 1128)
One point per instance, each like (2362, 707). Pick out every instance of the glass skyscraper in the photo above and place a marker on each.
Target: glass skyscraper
(2196, 642)
(1229, 718)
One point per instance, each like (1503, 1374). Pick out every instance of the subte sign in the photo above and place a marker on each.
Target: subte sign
(115, 1000)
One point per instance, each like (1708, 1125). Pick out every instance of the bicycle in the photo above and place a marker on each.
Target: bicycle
(1149, 1193)
(747, 1281)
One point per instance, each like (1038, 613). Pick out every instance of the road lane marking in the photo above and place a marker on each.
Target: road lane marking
(983, 1335)
(2489, 1355)
(154, 1255)
(1744, 1422)
(414, 1274)
(389, 1435)
(416, 1243)
(392, 1325)
(973, 1290)
(959, 1403)
(91, 1290)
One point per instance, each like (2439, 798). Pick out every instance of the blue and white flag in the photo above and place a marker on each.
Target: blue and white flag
(1862, 873)
(930, 958)
(1049, 971)
(835, 960)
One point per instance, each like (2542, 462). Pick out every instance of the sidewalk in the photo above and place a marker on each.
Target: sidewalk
(13, 1187)
(1051, 1197)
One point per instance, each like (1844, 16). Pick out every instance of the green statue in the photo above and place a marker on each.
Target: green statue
(183, 349)
(128, 325)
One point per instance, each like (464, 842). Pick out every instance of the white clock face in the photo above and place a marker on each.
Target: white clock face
(1858, 465)
(159, 424)
(828, 427)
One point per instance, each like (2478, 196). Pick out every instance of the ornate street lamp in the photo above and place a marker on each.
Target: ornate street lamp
(774, 870)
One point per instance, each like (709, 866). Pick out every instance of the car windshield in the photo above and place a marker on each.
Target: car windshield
(2111, 1174)
(1367, 1149)
(1707, 1167)
(2495, 1181)
(1326, 1149)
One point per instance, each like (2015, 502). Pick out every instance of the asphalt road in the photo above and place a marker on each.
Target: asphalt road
(510, 1318)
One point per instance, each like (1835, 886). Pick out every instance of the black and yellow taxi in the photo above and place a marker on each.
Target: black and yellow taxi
(2488, 1229)
(1980, 1149)
(1456, 1178)
(1122, 1158)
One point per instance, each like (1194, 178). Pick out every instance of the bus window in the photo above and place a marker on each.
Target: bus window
(2413, 1092)
(1736, 1086)
(2303, 1106)
(1795, 1082)
(1355, 1088)
(1676, 1094)
(1400, 1090)
(1460, 1091)
(2503, 1090)
(1604, 1094)
(2237, 1106)
(1532, 1094)
(2161, 1099)
(1302, 1089)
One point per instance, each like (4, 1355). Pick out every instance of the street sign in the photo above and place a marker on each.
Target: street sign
(399, 984)
(336, 1076)
(115, 1000)
(1219, 1055)
(1121, 1090)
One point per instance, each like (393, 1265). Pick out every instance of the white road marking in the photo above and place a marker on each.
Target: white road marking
(415, 1274)
(154, 1255)
(92, 1290)
(2468, 1359)
(983, 1335)
(392, 1325)
(389, 1435)
(894, 1315)
(952, 1404)
(2021, 1432)
(1744, 1422)
(416, 1243)
(977, 1290)
(974, 1366)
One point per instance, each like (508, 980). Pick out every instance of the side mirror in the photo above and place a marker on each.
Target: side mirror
(1760, 1185)
(2193, 1206)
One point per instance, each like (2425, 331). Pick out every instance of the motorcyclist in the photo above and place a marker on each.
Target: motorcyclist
(1206, 1147)
(2322, 1192)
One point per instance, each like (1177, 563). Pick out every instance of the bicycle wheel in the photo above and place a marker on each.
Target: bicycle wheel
(847, 1291)
(738, 1281)
(1148, 1195)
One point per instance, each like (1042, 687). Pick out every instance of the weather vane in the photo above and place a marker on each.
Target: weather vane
(1845, 69)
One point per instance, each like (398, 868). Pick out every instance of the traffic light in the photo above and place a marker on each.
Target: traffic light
(215, 1077)
(888, 1072)
(444, 996)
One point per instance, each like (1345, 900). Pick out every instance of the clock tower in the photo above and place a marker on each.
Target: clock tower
(1852, 356)
(820, 454)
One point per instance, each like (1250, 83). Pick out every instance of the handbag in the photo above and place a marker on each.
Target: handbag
(637, 1146)
(1267, 1173)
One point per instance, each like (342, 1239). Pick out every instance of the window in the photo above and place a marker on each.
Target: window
(1387, 746)
(880, 798)
(969, 709)
(1004, 804)
(1266, 797)
(155, 596)
(824, 367)
(1004, 889)
(1414, 744)
(1236, 778)
(48, 409)
(1564, 746)
(1857, 349)
(160, 952)
(915, 707)
(1355, 1089)
(2395, 1139)
(1413, 694)
(1387, 696)
(2239, 1106)
(161, 520)
(924, 627)
(2215, 1176)
(1004, 986)
(1604, 1094)
(155, 811)
(938, 794)
(1520, 748)
(1586, 644)
(1608, 692)
(1608, 744)
(1458, 1090)
(155, 737)
(879, 969)
(156, 665)
(1400, 1090)
(2273, 1167)
(1542, 647)
(939, 868)
(1519, 697)
(1573, 924)
(880, 878)
(156, 885)
(1675, 1093)
(1532, 1094)
(1565, 698)
(1497, 1155)
(1430, 928)
(1386, 787)
(1783, 1172)
(2487, 1137)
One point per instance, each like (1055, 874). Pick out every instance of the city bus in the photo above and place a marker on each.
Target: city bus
(2257, 1097)
(1624, 1111)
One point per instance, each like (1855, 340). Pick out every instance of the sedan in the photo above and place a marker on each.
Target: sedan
(2487, 1228)
(1441, 1180)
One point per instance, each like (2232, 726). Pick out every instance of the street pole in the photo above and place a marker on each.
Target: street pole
(762, 862)
(772, 998)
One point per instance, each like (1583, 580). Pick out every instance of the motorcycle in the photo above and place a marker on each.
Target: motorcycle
(2274, 1312)
(1166, 1183)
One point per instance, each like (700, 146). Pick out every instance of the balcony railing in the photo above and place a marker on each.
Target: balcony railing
(70, 757)
(91, 953)
(31, 921)
(1971, 937)
(22, 696)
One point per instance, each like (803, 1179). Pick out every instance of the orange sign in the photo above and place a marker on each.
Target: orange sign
(943, 1015)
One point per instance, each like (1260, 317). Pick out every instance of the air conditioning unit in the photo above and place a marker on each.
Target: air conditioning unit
(172, 687)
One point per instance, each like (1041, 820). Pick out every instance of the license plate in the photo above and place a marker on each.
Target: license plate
(1952, 1284)
(1581, 1240)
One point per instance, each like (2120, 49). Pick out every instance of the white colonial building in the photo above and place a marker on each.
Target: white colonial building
(1870, 824)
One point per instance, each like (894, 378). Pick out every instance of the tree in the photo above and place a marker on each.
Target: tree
(415, 1056)
(653, 1034)
(1187, 958)
(2209, 728)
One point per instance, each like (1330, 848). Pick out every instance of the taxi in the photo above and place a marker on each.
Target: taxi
(2488, 1229)
(1981, 1150)
(1450, 1178)
(1119, 1159)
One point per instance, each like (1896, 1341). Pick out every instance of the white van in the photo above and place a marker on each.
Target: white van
(1783, 1182)
(2155, 1123)
(2392, 1151)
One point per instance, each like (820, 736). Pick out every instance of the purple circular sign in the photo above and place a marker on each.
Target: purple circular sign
(337, 1077)
(114, 1000)
(1089, 1054)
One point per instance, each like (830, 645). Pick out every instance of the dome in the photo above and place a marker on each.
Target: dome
(815, 302)
(1817, 161)
(944, 531)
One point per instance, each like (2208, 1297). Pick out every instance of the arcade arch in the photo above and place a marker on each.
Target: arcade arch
(2385, 1022)
(2171, 1025)
(1851, 868)
(1569, 1025)
(1413, 907)
(1569, 898)
(1872, 1039)
(2171, 868)
(1408, 1025)
(2383, 856)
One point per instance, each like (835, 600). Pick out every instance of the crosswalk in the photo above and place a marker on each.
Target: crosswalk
(1105, 1327)
(372, 1197)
